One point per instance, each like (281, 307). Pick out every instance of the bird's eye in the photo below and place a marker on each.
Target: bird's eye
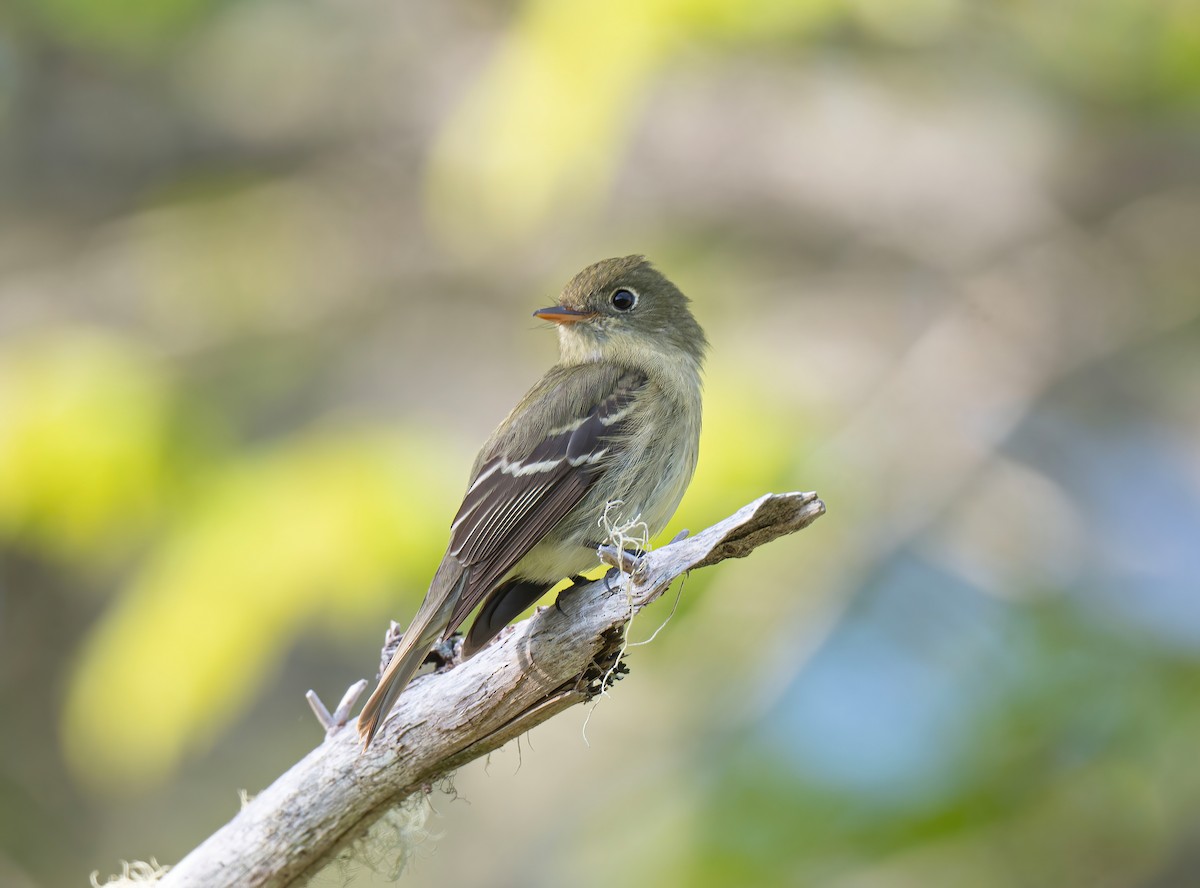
(624, 300)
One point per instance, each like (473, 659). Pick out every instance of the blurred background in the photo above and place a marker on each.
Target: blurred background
(266, 275)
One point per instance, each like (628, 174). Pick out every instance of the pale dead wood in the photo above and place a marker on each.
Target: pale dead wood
(538, 668)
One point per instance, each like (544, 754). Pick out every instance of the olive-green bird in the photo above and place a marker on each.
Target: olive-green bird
(617, 418)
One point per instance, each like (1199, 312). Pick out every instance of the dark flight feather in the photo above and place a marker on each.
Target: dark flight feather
(514, 504)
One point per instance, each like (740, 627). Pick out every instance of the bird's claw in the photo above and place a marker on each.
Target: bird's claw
(446, 653)
(576, 581)
(621, 560)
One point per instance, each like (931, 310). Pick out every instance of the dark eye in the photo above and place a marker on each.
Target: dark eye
(624, 300)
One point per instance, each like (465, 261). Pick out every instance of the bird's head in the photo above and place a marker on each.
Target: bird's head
(624, 310)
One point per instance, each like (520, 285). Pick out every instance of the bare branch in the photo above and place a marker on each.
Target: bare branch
(537, 668)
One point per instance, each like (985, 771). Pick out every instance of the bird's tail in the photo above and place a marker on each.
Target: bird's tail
(422, 634)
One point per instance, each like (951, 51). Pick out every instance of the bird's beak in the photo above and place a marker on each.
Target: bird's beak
(561, 315)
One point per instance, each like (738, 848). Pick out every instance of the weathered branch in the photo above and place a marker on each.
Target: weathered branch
(539, 667)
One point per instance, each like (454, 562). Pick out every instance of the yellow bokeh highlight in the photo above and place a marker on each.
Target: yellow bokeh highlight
(82, 423)
(314, 534)
(539, 135)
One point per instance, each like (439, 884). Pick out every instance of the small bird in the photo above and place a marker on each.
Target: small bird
(616, 419)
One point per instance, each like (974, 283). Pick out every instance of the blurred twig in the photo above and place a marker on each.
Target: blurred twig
(560, 657)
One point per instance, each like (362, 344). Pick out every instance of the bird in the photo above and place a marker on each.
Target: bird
(616, 419)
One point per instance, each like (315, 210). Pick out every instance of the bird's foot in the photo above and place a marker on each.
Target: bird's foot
(446, 653)
(621, 560)
(576, 582)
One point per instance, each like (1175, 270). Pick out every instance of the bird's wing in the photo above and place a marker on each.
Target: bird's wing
(515, 500)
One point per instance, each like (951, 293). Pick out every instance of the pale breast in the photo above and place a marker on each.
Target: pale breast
(648, 480)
